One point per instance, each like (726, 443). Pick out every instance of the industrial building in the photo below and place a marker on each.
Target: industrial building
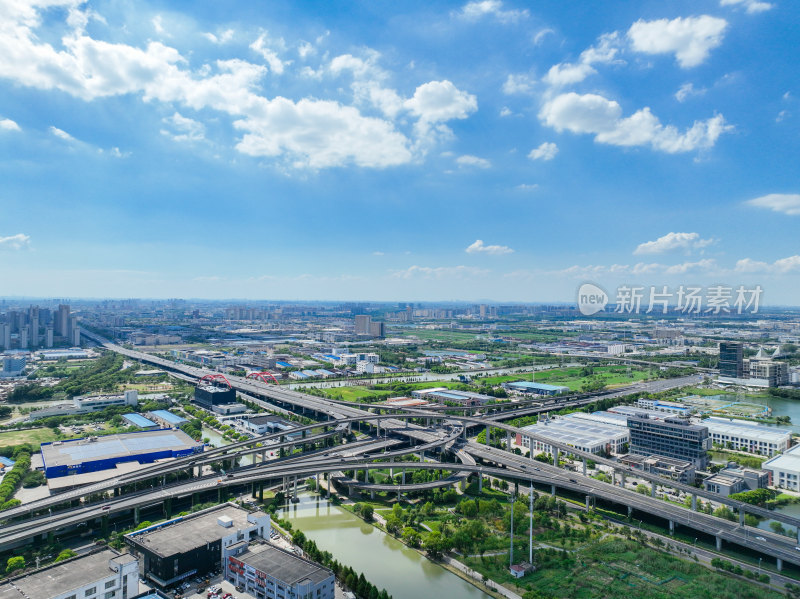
(167, 419)
(671, 436)
(86, 405)
(785, 469)
(194, 545)
(209, 396)
(104, 574)
(535, 388)
(266, 571)
(666, 407)
(443, 395)
(92, 454)
(742, 435)
(140, 421)
(584, 435)
(264, 424)
(678, 470)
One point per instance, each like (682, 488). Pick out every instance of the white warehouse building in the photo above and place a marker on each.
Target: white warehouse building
(785, 469)
(748, 436)
(582, 434)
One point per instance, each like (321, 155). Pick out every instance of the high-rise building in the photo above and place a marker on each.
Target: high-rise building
(33, 323)
(673, 437)
(362, 324)
(75, 333)
(730, 360)
(377, 329)
(48, 337)
(23, 337)
(5, 335)
(62, 320)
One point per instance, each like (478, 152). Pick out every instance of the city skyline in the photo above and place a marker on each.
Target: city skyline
(463, 151)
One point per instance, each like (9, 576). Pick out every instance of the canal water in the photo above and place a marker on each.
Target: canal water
(385, 562)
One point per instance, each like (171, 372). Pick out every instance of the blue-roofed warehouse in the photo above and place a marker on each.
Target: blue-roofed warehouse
(139, 420)
(537, 388)
(168, 418)
(78, 456)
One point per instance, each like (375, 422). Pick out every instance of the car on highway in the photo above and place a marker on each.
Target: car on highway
(760, 539)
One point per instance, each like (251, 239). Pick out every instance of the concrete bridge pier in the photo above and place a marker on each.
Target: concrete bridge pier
(584, 466)
(136, 515)
(488, 434)
(672, 527)
(630, 511)
(556, 454)
(552, 490)
(480, 482)
(719, 543)
(741, 516)
(623, 479)
(694, 507)
(372, 495)
(404, 476)
(652, 489)
(294, 491)
(780, 564)
(508, 441)
(588, 501)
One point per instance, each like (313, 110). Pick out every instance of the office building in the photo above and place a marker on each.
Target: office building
(733, 479)
(103, 574)
(268, 572)
(672, 437)
(742, 435)
(666, 407)
(262, 425)
(766, 373)
(48, 337)
(209, 396)
(730, 360)
(92, 454)
(195, 545)
(5, 336)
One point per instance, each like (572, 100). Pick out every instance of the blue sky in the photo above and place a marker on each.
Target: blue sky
(484, 150)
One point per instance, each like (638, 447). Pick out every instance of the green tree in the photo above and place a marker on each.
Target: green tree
(66, 554)
(15, 563)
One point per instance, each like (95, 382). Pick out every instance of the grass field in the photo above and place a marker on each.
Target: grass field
(36, 435)
(622, 568)
(613, 376)
(356, 394)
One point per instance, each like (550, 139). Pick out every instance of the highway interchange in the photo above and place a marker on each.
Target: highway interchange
(394, 435)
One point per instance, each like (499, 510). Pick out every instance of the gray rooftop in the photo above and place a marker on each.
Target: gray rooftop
(114, 446)
(284, 566)
(54, 580)
(190, 532)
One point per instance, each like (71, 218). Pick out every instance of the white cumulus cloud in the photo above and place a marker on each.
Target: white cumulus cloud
(9, 125)
(546, 151)
(478, 247)
(15, 242)
(782, 266)
(786, 203)
(61, 134)
(469, 160)
(473, 11)
(266, 48)
(594, 114)
(751, 6)
(183, 128)
(690, 39)
(673, 241)
(566, 73)
(688, 89)
(439, 101)
(518, 84)
(222, 38)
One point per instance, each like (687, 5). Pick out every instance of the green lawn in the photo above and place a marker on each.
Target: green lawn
(36, 435)
(356, 394)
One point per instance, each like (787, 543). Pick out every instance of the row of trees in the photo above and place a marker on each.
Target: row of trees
(357, 583)
(14, 478)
